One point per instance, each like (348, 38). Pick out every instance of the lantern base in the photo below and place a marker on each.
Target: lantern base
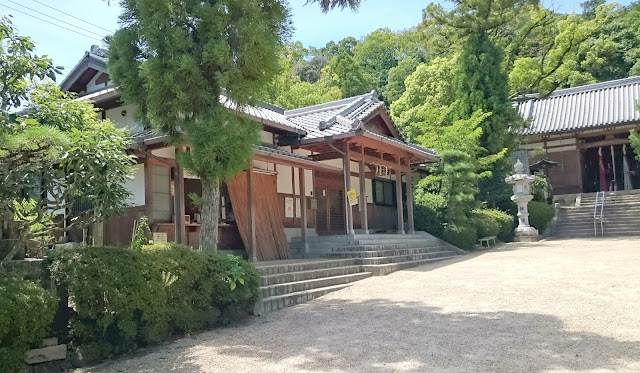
(526, 234)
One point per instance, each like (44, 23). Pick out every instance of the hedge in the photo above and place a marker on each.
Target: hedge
(124, 298)
(493, 222)
(428, 213)
(540, 214)
(26, 312)
(463, 237)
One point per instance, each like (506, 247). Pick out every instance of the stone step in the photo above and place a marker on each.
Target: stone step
(277, 302)
(304, 266)
(385, 269)
(297, 286)
(404, 258)
(397, 246)
(383, 253)
(347, 238)
(281, 278)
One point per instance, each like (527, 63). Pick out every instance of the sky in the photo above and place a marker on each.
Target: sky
(86, 22)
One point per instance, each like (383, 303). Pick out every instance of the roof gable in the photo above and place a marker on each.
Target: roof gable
(92, 65)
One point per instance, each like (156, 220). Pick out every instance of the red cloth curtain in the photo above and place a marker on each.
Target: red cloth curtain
(603, 172)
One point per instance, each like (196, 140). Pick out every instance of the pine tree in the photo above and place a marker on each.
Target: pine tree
(173, 59)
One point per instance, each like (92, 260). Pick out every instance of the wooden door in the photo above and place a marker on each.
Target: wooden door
(330, 211)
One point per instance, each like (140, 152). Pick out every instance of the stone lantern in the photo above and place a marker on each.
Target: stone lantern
(521, 182)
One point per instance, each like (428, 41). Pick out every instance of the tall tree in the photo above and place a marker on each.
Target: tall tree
(174, 58)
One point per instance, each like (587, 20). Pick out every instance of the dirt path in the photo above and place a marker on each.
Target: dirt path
(559, 306)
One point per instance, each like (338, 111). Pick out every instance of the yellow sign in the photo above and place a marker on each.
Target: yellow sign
(352, 197)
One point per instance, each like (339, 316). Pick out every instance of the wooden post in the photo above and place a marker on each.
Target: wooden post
(347, 186)
(252, 215)
(178, 202)
(410, 201)
(363, 199)
(303, 210)
(399, 199)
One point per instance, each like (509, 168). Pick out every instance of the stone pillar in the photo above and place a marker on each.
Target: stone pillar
(363, 199)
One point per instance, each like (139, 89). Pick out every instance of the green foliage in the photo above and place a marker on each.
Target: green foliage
(540, 214)
(26, 312)
(634, 139)
(396, 80)
(493, 222)
(141, 236)
(459, 182)
(58, 152)
(480, 83)
(19, 66)
(348, 75)
(461, 236)
(428, 212)
(125, 298)
(541, 190)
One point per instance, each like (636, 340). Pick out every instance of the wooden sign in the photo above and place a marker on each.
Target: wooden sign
(352, 197)
(159, 236)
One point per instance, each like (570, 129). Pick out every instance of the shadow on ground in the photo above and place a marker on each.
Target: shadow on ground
(377, 335)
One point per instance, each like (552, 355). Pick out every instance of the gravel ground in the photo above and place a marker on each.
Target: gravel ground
(556, 306)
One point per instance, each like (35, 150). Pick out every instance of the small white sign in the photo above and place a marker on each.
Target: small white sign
(288, 207)
(298, 208)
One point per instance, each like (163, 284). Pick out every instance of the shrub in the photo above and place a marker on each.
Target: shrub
(461, 236)
(26, 312)
(493, 222)
(428, 212)
(126, 298)
(540, 214)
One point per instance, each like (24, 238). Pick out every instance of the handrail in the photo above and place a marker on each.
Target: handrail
(597, 216)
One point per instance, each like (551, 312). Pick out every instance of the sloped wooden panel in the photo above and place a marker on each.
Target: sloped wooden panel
(271, 241)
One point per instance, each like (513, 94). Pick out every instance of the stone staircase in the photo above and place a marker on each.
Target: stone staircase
(621, 216)
(337, 261)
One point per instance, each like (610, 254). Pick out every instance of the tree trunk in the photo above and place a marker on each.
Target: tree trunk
(210, 214)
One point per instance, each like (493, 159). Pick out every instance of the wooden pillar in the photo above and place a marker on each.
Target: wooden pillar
(347, 186)
(178, 202)
(303, 210)
(253, 255)
(399, 199)
(363, 199)
(410, 202)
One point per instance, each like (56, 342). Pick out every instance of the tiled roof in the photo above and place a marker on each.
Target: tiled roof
(587, 107)
(335, 117)
(281, 152)
(271, 114)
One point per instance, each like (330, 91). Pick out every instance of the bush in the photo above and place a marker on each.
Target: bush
(428, 213)
(540, 214)
(125, 298)
(493, 222)
(463, 237)
(26, 312)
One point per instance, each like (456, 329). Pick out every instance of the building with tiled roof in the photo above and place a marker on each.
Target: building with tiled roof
(586, 131)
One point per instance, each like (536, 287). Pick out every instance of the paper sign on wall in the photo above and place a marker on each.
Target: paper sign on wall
(159, 236)
(288, 207)
(352, 197)
(298, 209)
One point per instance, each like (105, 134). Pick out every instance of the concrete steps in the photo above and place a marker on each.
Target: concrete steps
(345, 259)
(621, 217)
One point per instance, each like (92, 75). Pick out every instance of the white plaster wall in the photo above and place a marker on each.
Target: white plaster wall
(266, 137)
(334, 162)
(93, 87)
(262, 165)
(127, 120)
(166, 152)
(136, 186)
(284, 180)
